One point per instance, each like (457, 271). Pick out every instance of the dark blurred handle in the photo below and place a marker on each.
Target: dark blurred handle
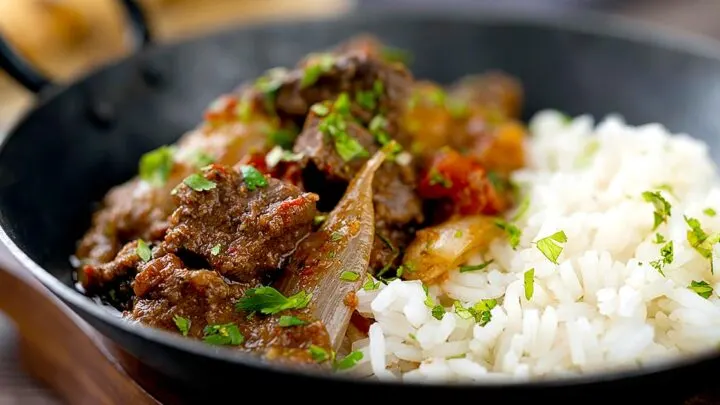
(20, 70)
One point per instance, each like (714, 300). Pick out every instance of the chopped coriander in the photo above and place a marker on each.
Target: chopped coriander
(288, 320)
(458, 234)
(349, 276)
(320, 65)
(271, 81)
(336, 236)
(550, 247)
(437, 97)
(513, 232)
(370, 284)
(366, 99)
(480, 312)
(666, 253)
(155, 166)
(701, 288)
(269, 301)
(349, 361)
(387, 242)
(701, 241)
(320, 110)
(412, 336)
(143, 250)
(349, 148)
(331, 254)
(709, 212)
(335, 126)
(658, 239)
(201, 159)
(438, 178)
(183, 324)
(522, 209)
(378, 87)
(377, 128)
(529, 283)
(465, 269)
(662, 207)
(438, 312)
(253, 178)
(319, 219)
(215, 250)
(225, 334)
(457, 356)
(278, 154)
(318, 353)
(283, 137)
(199, 183)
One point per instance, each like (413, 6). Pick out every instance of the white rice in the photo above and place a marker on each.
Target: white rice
(604, 306)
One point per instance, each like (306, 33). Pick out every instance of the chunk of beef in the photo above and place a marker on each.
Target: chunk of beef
(111, 280)
(241, 229)
(137, 209)
(396, 202)
(166, 289)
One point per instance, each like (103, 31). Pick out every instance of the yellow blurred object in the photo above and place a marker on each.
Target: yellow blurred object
(66, 38)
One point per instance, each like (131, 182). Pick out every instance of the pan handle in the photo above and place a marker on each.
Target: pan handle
(19, 69)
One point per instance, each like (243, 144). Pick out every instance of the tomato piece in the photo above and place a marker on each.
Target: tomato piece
(463, 182)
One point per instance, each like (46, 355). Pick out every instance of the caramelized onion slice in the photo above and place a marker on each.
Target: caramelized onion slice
(332, 263)
(438, 249)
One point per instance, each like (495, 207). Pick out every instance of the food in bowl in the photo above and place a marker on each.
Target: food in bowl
(345, 215)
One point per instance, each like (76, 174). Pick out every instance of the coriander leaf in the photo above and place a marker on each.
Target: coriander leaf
(253, 178)
(529, 283)
(320, 109)
(226, 334)
(318, 353)
(271, 81)
(550, 247)
(461, 311)
(513, 232)
(349, 276)
(438, 312)
(437, 97)
(349, 148)
(438, 178)
(370, 284)
(701, 288)
(284, 137)
(366, 99)
(522, 209)
(480, 312)
(215, 250)
(701, 241)
(183, 324)
(318, 66)
(709, 212)
(457, 356)
(458, 234)
(199, 183)
(378, 87)
(465, 269)
(662, 207)
(319, 219)
(287, 321)
(387, 242)
(336, 236)
(201, 159)
(269, 301)
(659, 239)
(349, 361)
(143, 250)
(155, 166)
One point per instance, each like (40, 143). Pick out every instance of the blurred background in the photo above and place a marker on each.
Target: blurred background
(67, 38)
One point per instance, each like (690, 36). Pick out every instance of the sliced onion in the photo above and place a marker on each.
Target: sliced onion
(332, 263)
(438, 249)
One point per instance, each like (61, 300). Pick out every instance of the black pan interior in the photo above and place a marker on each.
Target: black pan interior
(84, 139)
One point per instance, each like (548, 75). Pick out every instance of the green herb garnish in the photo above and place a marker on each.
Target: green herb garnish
(701, 288)
(319, 219)
(155, 166)
(283, 137)
(658, 239)
(529, 283)
(201, 159)
(438, 312)
(666, 253)
(480, 312)
(709, 212)
(288, 320)
(370, 284)
(438, 178)
(662, 207)
(318, 353)
(253, 178)
(701, 241)
(513, 232)
(465, 269)
(335, 126)
(320, 65)
(269, 301)
(349, 361)
(215, 250)
(320, 109)
(522, 209)
(550, 246)
(366, 99)
(183, 324)
(226, 334)
(199, 183)
(143, 250)
(457, 356)
(336, 236)
(349, 276)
